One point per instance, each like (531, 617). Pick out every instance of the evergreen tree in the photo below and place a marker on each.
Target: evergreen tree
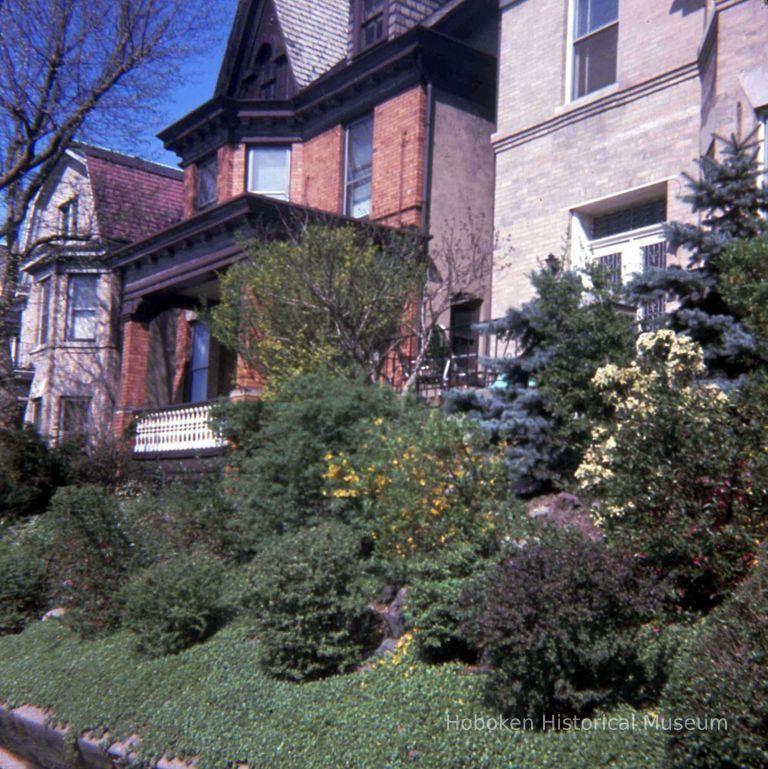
(731, 201)
(544, 404)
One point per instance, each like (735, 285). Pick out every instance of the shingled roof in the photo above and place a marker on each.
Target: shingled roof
(315, 33)
(133, 198)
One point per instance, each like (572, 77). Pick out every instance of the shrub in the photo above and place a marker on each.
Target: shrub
(175, 603)
(28, 474)
(307, 603)
(723, 673)
(558, 624)
(107, 463)
(421, 483)
(91, 556)
(689, 504)
(23, 584)
(432, 603)
(280, 483)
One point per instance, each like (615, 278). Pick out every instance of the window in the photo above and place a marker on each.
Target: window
(595, 44)
(762, 156)
(44, 313)
(464, 336)
(371, 22)
(68, 218)
(198, 369)
(73, 417)
(35, 414)
(207, 171)
(269, 171)
(359, 168)
(82, 305)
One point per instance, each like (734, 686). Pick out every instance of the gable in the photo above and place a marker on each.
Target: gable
(278, 47)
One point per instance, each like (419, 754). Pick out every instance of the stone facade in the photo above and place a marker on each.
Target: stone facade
(685, 71)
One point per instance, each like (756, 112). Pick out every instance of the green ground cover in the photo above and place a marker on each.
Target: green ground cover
(212, 702)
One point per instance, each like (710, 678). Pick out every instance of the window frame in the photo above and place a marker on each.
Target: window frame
(202, 166)
(74, 313)
(64, 401)
(362, 20)
(575, 40)
(68, 217)
(45, 297)
(199, 367)
(249, 167)
(350, 183)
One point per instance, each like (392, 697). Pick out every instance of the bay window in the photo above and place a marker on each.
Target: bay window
(269, 171)
(359, 168)
(82, 307)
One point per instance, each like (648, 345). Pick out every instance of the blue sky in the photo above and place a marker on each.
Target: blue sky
(200, 73)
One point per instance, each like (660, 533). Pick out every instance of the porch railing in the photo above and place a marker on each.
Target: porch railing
(184, 428)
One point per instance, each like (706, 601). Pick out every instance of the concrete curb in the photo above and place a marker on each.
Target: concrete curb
(29, 741)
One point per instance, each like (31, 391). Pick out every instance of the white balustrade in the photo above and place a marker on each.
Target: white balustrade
(176, 429)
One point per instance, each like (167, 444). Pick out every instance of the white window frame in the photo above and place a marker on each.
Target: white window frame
(44, 311)
(762, 148)
(571, 42)
(202, 201)
(68, 216)
(277, 194)
(69, 333)
(347, 184)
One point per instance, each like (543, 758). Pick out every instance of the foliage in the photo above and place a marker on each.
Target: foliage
(744, 284)
(432, 604)
(421, 483)
(214, 703)
(731, 201)
(239, 422)
(723, 673)
(544, 404)
(679, 474)
(558, 624)
(279, 485)
(306, 602)
(28, 474)
(175, 603)
(23, 582)
(91, 556)
(107, 463)
(327, 297)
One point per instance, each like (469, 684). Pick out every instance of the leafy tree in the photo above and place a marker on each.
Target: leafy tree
(544, 404)
(731, 201)
(327, 297)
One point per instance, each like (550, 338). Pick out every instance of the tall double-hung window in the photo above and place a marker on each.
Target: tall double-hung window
(595, 45)
(359, 168)
(82, 307)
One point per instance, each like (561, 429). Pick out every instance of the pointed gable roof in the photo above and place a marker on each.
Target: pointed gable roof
(314, 33)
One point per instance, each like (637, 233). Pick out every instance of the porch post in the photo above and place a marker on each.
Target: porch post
(134, 367)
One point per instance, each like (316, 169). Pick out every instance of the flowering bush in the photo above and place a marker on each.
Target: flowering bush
(421, 483)
(673, 473)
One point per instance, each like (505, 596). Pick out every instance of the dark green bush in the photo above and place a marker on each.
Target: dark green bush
(175, 604)
(308, 604)
(280, 483)
(28, 474)
(722, 672)
(432, 603)
(107, 463)
(558, 624)
(23, 584)
(91, 556)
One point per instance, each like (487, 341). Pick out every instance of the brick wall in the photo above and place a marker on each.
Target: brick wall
(316, 180)
(189, 195)
(231, 179)
(246, 377)
(398, 159)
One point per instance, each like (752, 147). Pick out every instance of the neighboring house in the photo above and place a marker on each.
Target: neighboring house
(378, 110)
(95, 202)
(603, 105)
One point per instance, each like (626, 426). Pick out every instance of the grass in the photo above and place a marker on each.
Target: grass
(213, 702)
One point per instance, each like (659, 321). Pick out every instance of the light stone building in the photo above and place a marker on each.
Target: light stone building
(95, 202)
(603, 106)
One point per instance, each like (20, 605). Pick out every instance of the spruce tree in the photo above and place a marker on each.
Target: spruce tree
(732, 204)
(544, 404)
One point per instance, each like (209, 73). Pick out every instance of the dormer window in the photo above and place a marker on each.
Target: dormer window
(267, 75)
(68, 218)
(370, 23)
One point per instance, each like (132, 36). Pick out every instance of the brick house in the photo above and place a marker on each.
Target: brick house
(67, 349)
(603, 105)
(377, 110)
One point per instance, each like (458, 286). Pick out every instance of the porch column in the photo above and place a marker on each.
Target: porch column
(134, 367)
(249, 383)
